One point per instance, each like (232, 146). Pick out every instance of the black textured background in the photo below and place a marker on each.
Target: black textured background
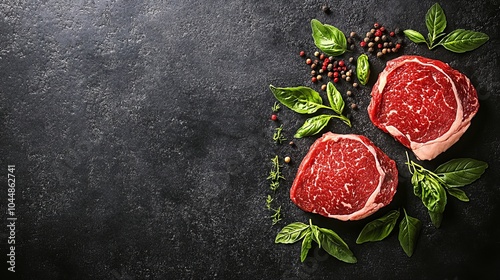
(141, 137)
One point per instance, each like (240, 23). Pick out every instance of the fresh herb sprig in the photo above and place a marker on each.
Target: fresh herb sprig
(431, 187)
(305, 100)
(379, 229)
(278, 137)
(276, 107)
(458, 41)
(325, 238)
(275, 175)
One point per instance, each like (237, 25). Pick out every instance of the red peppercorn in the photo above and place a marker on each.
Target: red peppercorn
(392, 34)
(274, 117)
(322, 56)
(380, 46)
(362, 44)
(335, 74)
(330, 74)
(341, 63)
(382, 28)
(376, 25)
(327, 60)
(308, 61)
(324, 67)
(336, 80)
(378, 33)
(314, 80)
(398, 46)
(302, 53)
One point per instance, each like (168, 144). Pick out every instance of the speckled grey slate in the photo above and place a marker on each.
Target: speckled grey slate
(141, 137)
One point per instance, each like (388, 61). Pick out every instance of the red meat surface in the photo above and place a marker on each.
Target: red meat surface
(344, 177)
(423, 103)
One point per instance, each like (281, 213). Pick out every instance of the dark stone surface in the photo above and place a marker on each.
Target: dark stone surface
(141, 138)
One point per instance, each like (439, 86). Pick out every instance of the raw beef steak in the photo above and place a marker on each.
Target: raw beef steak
(345, 177)
(423, 103)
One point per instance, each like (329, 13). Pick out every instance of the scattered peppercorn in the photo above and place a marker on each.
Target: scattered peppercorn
(392, 34)
(287, 159)
(376, 25)
(291, 143)
(314, 80)
(352, 34)
(351, 59)
(302, 53)
(323, 87)
(355, 85)
(316, 53)
(362, 44)
(313, 73)
(313, 66)
(354, 106)
(319, 78)
(308, 61)
(349, 93)
(322, 56)
(274, 117)
(382, 28)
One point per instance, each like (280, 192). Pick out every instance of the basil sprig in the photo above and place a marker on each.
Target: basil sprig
(325, 238)
(379, 229)
(458, 41)
(305, 100)
(328, 38)
(431, 187)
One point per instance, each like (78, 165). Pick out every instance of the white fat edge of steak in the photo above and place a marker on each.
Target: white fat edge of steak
(430, 149)
(370, 205)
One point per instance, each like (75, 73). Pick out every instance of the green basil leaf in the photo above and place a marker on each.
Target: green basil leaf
(409, 229)
(363, 69)
(458, 193)
(435, 20)
(378, 229)
(328, 39)
(335, 98)
(335, 246)
(461, 171)
(306, 245)
(313, 126)
(292, 233)
(303, 100)
(462, 40)
(436, 218)
(415, 36)
(432, 194)
(315, 234)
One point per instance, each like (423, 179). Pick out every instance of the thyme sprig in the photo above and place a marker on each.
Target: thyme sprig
(278, 136)
(276, 107)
